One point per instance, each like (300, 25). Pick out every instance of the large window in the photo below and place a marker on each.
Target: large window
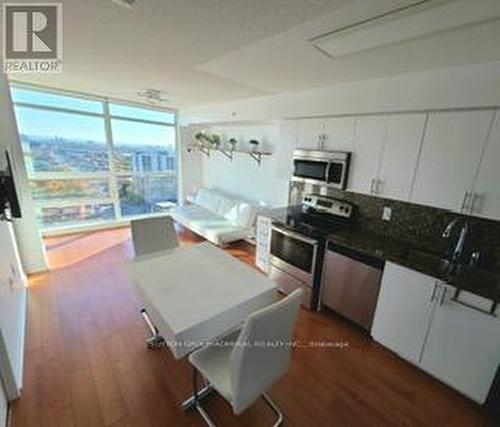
(90, 160)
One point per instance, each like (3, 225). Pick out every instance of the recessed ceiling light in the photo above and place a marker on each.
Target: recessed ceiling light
(129, 4)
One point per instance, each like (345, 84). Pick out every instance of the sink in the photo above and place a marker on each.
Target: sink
(433, 262)
(462, 276)
(470, 277)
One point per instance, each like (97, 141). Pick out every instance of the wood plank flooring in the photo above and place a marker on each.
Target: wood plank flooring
(87, 364)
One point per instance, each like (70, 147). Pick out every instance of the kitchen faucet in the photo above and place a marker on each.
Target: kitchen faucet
(458, 251)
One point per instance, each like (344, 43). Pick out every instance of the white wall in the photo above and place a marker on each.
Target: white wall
(28, 235)
(12, 313)
(243, 176)
(3, 407)
(459, 87)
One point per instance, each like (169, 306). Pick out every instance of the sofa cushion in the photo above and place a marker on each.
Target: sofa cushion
(213, 227)
(208, 199)
(242, 214)
(225, 205)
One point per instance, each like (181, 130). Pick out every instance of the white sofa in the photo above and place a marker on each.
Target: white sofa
(219, 218)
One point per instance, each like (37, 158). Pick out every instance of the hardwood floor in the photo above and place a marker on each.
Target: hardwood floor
(87, 364)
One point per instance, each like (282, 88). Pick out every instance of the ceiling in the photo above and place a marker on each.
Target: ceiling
(207, 51)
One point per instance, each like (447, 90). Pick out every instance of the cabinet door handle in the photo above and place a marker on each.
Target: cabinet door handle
(473, 208)
(436, 287)
(443, 295)
(464, 201)
(371, 186)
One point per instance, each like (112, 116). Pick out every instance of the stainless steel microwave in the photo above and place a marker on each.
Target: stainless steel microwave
(329, 168)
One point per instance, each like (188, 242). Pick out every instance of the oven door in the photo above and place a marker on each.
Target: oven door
(310, 170)
(294, 253)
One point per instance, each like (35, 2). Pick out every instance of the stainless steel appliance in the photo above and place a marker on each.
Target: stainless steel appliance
(298, 239)
(329, 168)
(351, 283)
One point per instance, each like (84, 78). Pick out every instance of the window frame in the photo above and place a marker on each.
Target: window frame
(111, 175)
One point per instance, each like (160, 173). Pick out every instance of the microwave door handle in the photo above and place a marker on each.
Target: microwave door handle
(295, 235)
(327, 172)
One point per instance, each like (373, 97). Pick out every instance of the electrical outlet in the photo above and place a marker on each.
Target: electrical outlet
(386, 213)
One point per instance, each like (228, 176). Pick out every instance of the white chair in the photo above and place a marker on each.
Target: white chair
(153, 235)
(242, 371)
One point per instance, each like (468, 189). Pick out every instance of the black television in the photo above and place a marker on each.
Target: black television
(9, 203)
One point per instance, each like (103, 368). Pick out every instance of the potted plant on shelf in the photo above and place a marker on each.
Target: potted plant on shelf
(208, 140)
(254, 145)
(232, 144)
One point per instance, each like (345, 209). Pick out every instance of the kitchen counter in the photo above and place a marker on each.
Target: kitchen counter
(475, 280)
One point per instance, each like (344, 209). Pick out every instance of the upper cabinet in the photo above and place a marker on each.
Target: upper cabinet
(366, 152)
(385, 154)
(338, 133)
(335, 133)
(450, 157)
(403, 136)
(447, 160)
(310, 132)
(486, 195)
(287, 142)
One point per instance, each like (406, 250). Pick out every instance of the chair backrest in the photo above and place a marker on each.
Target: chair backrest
(262, 351)
(153, 235)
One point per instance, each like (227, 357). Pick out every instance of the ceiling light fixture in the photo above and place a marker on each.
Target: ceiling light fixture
(153, 96)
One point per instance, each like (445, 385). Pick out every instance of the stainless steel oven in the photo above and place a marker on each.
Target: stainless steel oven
(329, 168)
(293, 262)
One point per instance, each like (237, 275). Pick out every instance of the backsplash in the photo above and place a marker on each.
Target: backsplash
(420, 226)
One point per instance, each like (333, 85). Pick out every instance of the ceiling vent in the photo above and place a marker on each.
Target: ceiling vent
(129, 4)
(420, 19)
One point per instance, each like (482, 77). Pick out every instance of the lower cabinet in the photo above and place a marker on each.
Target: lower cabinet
(404, 310)
(263, 242)
(418, 318)
(463, 347)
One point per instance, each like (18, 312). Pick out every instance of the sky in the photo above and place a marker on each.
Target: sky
(37, 122)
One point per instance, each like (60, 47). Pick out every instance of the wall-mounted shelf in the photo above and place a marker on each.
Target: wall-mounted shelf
(255, 155)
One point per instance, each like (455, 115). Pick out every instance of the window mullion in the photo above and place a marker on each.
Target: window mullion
(113, 183)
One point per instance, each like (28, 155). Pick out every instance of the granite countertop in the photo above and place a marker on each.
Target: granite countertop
(481, 282)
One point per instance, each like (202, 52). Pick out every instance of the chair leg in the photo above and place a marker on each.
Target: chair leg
(195, 402)
(156, 340)
(275, 409)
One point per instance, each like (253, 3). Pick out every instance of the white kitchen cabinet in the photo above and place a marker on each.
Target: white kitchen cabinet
(263, 242)
(366, 154)
(487, 186)
(339, 133)
(310, 133)
(403, 136)
(336, 133)
(449, 159)
(404, 310)
(463, 348)
(288, 141)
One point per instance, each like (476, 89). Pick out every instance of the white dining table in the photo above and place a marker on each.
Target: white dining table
(197, 294)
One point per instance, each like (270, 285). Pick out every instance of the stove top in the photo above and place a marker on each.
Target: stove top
(314, 220)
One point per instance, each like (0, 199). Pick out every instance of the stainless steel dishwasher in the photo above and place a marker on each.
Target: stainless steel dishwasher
(351, 283)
